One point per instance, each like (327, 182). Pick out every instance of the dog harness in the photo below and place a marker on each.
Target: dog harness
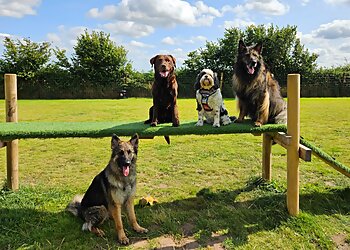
(205, 98)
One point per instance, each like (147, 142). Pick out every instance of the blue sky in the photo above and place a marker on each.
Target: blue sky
(149, 27)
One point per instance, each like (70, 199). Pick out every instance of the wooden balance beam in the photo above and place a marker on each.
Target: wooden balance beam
(287, 136)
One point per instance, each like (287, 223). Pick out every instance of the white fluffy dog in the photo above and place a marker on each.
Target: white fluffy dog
(209, 100)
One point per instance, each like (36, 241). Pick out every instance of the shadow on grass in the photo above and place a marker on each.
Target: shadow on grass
(208, 218)
(216, 217)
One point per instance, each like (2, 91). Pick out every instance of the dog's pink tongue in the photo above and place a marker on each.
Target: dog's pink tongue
(250, 70)
(164, 74)
(126, 170)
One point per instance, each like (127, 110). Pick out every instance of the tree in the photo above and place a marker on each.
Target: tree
(98, 61)
(282, 51)
(204, 58)
(24, 57)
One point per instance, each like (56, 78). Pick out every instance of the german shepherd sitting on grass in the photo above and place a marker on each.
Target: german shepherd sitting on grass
(111, 189)
(257, 91)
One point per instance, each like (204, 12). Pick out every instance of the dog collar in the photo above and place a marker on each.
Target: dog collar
(205, 98)
(207, 92)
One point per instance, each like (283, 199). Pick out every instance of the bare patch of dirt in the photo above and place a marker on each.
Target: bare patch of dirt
(186, 243)
(340, 242)
(166, 243)
(142, 244)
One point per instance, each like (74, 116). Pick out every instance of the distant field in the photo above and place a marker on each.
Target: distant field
(206, 185)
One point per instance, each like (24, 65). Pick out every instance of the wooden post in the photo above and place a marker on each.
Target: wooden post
(293, 130)
(266, 157)
(11, 116)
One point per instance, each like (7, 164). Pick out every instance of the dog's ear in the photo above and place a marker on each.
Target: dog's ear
(258, 47)
(115, 141)
(216, 81)
(241, 46)
(135, 142)
(174, 60)
(197, 84)
(152, 60)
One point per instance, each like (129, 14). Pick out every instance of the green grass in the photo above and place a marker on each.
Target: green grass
(207, 186)
(42, 130)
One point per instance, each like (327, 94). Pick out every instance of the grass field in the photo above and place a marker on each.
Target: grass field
(207, 186)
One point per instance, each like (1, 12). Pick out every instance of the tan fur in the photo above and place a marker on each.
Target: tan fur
(111, 190)
(257, 91)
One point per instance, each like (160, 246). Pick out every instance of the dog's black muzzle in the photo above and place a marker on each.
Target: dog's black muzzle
(122, 161)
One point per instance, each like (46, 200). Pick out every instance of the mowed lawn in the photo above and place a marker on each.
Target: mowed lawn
(208, 188)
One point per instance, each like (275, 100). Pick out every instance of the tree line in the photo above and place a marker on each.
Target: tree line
(99, 68)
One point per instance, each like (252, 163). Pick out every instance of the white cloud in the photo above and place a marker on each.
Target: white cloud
(3, 35)
(168, 40)
(137, 44)
(333, 30)
(332, 55)
(65, 38)
(179, 54)
(201, 8)
(168, 13)
(140, 57)
(331, 52)
(108, 12)
(179, 41)
(18, 8)
(129, 28)
(345, 47)
(304, 2)
(266, 7)
(199, 38)
(196, 39)
(53, 37)
(238, 23)
(227, 8)
(335, 2)
(305, 38)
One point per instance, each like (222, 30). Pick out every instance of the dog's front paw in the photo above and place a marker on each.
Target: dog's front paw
(199, 123)
(123, 240)
(176, 124)
(257, 124)
(238, 120)
(140, 229)
(216, 125)
(153, 124)
(226, 121)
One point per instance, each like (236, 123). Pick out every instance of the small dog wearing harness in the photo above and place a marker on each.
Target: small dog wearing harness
(209, 100)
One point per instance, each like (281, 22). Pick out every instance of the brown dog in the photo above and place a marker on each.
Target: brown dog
(257, 91)
(164, 91)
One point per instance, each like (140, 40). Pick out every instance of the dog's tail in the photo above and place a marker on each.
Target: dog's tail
(74, 205)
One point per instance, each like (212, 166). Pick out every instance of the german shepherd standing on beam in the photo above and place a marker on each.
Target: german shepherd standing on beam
(111, 189)
(257, 91)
